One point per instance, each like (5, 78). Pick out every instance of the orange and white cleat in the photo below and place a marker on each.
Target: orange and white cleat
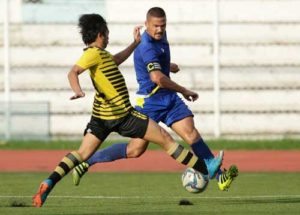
(40, 197)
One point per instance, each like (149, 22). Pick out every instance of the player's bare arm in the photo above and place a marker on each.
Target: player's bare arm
(123, 55)
(74, 82)
(165, 82)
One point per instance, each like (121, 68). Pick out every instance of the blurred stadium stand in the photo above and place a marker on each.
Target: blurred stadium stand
(259, 47)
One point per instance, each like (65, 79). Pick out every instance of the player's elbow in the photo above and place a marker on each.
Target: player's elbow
(158, 80)
(75, 71)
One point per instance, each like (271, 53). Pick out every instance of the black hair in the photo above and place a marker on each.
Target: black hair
(156, 12)
(90, 26)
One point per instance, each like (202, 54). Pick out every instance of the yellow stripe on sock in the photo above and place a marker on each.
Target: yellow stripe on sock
(77, 156)
(60, 171)
(67, 161)
(182, 156)
(193, 161)
(172, 149)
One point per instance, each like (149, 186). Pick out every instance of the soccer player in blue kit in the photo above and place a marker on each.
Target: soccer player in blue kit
(157, 98)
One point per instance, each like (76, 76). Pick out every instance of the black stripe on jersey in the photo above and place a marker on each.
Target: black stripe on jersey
(110, 102)
(119, 85)
(104, 53)
(108, 65)
(118, 81)
(113, 79)
(113, 114)
(98, 103)
(114, 104)
(124, 93)
(119, 98)
(99, 94)
(121, 89)
(109, 70)
(110, 111)
(112, 74)
(113, 101)
(107, 61)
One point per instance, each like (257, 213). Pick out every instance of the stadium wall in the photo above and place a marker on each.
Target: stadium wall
(259, 46)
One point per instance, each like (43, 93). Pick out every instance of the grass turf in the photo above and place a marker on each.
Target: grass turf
(278, 144)
(151, 193)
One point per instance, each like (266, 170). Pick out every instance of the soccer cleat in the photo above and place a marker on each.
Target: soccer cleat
(79, 171)
(214, 164)
(40, 197)
(227, 177)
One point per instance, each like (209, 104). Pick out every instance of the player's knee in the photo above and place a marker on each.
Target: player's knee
(192, 136)
(83, 155)
(167, 137)
(134, 152)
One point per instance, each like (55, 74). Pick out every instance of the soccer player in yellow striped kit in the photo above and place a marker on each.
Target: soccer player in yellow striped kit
(112, 111)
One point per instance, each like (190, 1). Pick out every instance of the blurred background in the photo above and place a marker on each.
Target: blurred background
(241, 56)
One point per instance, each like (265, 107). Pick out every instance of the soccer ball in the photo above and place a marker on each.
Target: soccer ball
(194, 181)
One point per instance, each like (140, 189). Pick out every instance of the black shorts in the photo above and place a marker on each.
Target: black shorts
(133, 125)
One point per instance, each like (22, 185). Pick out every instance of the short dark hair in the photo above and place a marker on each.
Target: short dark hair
(156, 12)
(90, 26)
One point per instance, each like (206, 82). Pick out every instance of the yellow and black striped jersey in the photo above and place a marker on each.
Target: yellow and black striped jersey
(111, 99)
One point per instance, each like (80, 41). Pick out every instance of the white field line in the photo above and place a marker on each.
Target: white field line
(169, 197)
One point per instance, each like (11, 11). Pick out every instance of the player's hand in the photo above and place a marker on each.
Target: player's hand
(174, 68)
(190, 95)
(78, 95)
(137, 34)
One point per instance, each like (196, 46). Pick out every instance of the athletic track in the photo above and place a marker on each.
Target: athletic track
(155, 161)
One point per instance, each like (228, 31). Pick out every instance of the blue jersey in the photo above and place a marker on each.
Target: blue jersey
(151, 54)
(161, 105)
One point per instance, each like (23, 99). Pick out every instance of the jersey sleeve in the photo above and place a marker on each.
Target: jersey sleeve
(89, 58)
(150, 58)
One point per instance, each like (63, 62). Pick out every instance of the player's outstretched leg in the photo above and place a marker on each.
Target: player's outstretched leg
(65, 165)
(79, 171)
(111, 153)
(226, 178)
(40, 197)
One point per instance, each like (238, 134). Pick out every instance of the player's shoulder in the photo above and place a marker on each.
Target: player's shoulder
(92, 50)
(95, 52)
(145, 45)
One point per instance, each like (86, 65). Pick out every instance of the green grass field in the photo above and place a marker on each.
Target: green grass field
(151, 193)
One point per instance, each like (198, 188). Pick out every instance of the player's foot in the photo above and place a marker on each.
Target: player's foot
(227, 177)
(214, 164)
(79, 171)
(40, 197)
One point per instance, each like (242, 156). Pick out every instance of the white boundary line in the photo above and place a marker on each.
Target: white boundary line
(174, 197)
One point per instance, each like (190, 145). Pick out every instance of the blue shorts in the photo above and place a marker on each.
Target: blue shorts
(165, 108)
